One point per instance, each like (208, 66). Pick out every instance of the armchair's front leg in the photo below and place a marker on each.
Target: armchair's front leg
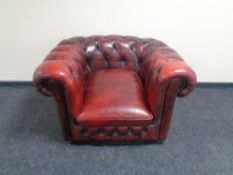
(167, 76)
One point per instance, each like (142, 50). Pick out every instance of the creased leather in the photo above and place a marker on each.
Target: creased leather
(114, 97)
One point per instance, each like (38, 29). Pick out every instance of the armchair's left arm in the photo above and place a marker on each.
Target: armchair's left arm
(55, 70)
(62, 75)
(60, 67)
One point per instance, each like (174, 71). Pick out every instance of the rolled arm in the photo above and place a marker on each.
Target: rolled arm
(166, 65)
(166, 70)
(52, 70)
(178, 70)
(167, 76)
(62, 69)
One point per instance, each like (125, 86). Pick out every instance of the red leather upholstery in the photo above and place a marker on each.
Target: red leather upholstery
(114, 81)
(114, 97)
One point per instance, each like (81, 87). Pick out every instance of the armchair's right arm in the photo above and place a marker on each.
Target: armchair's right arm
(164, 67)
(166, 75)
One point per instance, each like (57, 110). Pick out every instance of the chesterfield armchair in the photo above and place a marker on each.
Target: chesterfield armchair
(117, 88)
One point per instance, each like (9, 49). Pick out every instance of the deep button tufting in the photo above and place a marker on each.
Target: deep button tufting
(117, 134)
(113, 52)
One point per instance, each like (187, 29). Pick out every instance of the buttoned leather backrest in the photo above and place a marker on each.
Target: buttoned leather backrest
(113, 51)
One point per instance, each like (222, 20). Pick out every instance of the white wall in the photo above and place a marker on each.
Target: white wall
(200, 30)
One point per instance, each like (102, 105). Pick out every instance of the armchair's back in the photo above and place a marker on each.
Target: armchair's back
(113, 51)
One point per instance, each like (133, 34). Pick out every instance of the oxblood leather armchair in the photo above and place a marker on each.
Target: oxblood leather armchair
(114, 87)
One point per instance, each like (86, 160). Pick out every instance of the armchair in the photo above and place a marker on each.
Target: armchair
(114, 87)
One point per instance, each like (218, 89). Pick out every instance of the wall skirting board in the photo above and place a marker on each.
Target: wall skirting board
(199, 84)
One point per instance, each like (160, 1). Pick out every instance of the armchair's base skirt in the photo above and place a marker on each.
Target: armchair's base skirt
(124, 133)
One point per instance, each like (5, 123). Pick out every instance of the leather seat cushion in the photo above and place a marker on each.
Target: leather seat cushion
(114, 97)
